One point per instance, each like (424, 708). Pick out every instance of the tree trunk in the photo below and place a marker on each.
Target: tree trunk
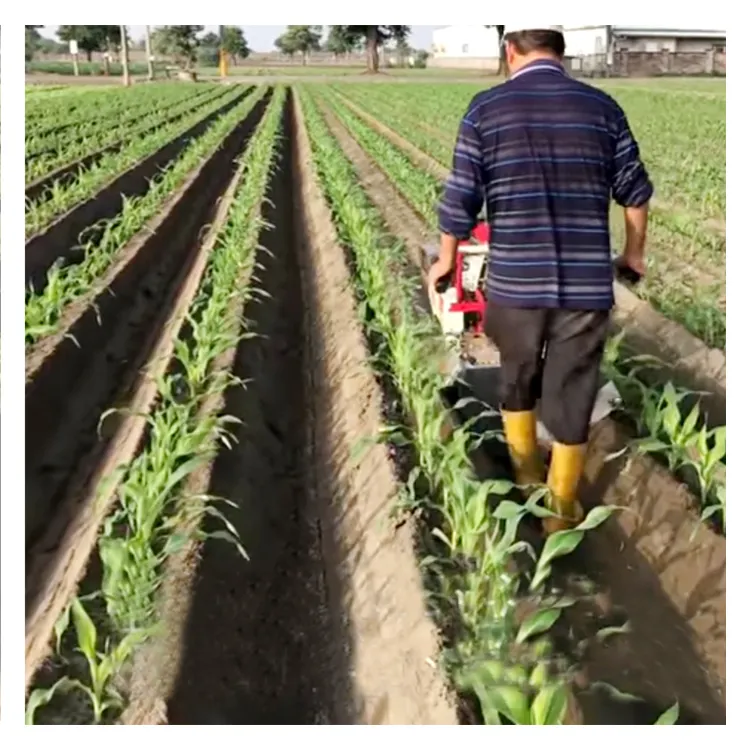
(88, 55)
(373, 63)
(501, 66)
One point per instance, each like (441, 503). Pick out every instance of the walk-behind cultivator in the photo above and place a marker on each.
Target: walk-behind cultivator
(459, 306)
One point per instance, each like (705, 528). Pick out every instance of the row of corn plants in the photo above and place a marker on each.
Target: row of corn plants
(684, 256)
(67, 149)
(80, 103)
(67, 283)
(501, 658)
(153, 512)
(668, 124)
(58, 139)
(62, 196)
(683, 442)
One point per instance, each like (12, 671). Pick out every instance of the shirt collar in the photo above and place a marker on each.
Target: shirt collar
(543, 64)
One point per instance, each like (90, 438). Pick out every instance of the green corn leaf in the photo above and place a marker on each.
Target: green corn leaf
(538, 622)
(670, 716)
(85, 630)
(549, 706)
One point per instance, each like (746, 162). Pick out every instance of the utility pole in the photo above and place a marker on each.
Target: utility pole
(223, 66)
(124, 48)
(73, 45)
(149, 59)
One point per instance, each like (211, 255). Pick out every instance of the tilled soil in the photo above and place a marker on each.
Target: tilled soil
(115, 341)
(654, 565)
(326, 623)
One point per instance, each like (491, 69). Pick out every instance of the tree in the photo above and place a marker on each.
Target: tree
(51, 46)
(374, 37)
(403, 51)
(33, 41)
(338, 42)
(208, 49)
(180, 43)
(91, 38)
(501, 52)
(235, 43)
(304, 39)
(284, 45)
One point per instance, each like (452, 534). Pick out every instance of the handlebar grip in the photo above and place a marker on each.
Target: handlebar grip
(627, 274)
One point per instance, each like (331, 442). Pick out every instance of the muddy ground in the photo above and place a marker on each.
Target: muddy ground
(655, 566)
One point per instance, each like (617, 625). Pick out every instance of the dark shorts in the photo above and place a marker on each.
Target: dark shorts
(552, 357)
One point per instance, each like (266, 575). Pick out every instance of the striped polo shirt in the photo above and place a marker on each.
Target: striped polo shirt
(548, 153)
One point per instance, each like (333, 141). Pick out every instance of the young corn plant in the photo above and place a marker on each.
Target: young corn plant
(685, 444)
(65, 148)
(153, 518)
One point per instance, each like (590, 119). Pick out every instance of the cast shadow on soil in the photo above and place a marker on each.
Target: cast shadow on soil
(259, 646)
(657, 660)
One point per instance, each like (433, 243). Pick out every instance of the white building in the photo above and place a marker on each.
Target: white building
(465, 42)
(581, 41)
(463, 45)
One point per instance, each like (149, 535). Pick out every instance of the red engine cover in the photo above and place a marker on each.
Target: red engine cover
(481, 233)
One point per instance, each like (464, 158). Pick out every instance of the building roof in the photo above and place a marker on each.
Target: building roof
(679, 33)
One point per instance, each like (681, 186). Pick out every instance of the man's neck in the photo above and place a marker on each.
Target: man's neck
(534, 57)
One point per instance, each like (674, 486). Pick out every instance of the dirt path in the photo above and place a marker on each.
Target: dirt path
(656, 564)
(326, 623)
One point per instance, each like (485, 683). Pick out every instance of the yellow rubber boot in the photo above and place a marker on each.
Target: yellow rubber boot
(565, 472)
(520, 433)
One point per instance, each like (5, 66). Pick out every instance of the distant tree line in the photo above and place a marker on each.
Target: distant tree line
(187, 45)
(343, 40)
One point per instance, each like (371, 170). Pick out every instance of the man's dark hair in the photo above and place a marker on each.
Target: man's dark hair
(540, 40)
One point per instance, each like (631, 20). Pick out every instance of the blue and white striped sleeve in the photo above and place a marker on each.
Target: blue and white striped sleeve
(631, 185)
(463, 194)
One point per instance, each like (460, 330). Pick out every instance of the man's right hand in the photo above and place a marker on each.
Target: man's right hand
(634, 261)
(630, 269)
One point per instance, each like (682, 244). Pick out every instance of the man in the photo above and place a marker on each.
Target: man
(548, 153)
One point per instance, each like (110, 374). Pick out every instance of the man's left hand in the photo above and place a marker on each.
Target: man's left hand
(434, 275)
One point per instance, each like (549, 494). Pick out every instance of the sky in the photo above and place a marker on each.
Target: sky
(261, 38)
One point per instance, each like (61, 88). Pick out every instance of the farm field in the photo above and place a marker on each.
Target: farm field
(250, 497)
